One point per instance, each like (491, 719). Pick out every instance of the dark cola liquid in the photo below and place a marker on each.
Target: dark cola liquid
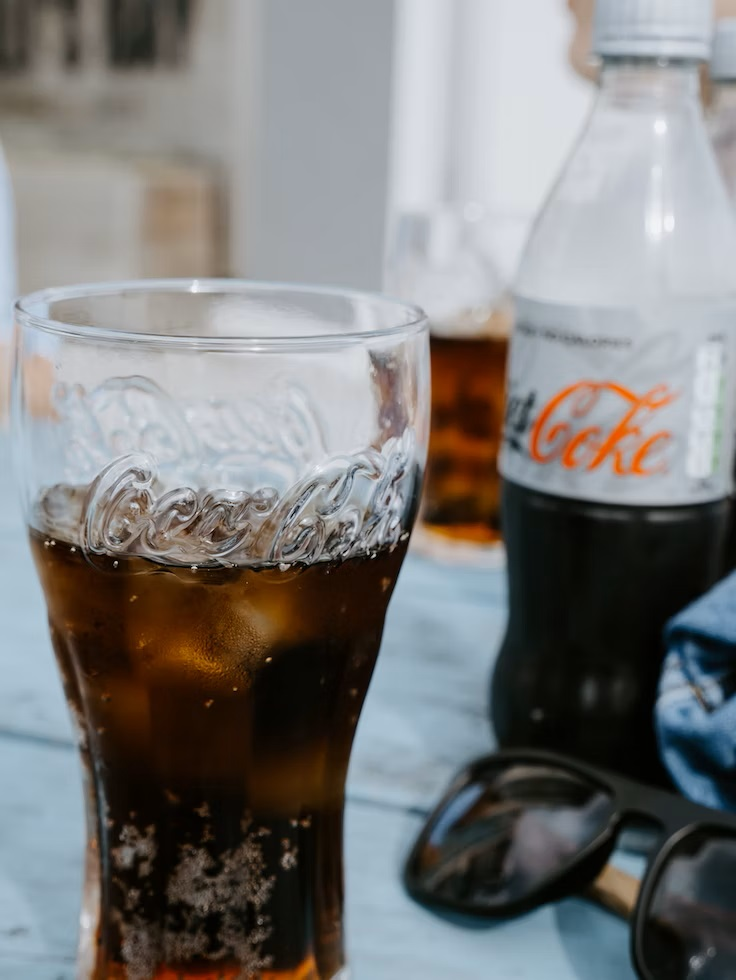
(217, 708)
(591, 587)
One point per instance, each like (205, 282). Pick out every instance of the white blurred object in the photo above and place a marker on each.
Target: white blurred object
(87, 217)
(471, 119)
(443, 260)
(7, 280)
(7, 251)
(722, 113)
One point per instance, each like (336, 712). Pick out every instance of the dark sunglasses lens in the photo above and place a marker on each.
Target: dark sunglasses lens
(505, 834)
(689, 929)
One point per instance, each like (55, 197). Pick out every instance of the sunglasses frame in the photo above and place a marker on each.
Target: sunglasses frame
(677, 817)
(657, 865)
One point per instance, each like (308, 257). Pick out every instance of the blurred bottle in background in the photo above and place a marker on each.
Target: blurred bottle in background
(442, 261)
(618, 442)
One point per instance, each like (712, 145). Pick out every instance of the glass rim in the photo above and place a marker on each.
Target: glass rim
(406, 321)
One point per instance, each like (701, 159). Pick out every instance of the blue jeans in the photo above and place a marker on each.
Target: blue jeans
(695, 714)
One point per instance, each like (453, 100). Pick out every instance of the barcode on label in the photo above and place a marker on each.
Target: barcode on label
(706, 417)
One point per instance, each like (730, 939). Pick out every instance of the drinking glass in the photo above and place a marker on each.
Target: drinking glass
(218, 502)
(444, 259)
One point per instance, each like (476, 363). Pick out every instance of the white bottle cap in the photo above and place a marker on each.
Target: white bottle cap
(679, 29)
(723, 62)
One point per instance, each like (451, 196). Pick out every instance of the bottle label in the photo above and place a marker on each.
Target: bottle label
(620, 406)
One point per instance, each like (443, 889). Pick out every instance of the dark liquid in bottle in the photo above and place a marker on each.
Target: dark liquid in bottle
(591, 587)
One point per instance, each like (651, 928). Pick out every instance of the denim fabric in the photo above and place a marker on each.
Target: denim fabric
(695, 713)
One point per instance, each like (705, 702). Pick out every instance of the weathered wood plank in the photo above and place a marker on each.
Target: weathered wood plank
(426, 709)
(30, 697)
(41, 837)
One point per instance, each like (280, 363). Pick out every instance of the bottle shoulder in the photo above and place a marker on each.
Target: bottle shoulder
(639, 209)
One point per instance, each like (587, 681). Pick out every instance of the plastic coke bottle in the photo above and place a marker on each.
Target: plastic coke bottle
(722, 127)
(618, 443)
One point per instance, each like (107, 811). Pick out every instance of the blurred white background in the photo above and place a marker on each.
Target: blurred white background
(274, 138)
(485, 106)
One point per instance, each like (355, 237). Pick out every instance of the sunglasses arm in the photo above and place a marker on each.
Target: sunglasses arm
(615, 890)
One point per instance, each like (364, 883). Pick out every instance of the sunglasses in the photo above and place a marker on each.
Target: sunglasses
(518, 829)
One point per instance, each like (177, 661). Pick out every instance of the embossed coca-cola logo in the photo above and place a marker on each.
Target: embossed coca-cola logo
(277, 431)
(130, 440)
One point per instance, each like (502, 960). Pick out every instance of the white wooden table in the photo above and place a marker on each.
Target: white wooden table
(425, 717)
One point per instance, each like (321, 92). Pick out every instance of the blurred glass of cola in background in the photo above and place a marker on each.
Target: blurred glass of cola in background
(441, 259)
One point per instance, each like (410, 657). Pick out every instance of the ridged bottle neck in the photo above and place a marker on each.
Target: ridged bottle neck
(643, 84)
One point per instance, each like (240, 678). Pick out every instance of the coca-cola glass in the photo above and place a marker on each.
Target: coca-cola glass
(219, 501)
(444, 259)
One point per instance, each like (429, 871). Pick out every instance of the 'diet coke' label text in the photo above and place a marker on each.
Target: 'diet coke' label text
(621, 406)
